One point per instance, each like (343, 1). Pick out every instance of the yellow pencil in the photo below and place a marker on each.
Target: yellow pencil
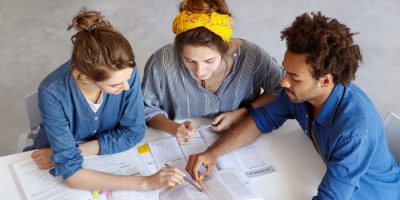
(200, 183)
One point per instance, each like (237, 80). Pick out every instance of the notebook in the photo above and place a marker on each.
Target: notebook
(223, 184)
(252, 160)
(36, 184)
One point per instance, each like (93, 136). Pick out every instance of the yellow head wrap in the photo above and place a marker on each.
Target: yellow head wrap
(219, 24)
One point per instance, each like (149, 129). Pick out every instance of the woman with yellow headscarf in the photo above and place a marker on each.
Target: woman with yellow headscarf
(206, 73)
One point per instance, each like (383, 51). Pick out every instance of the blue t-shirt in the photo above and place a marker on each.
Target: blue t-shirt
(68, 119)
(350, 138)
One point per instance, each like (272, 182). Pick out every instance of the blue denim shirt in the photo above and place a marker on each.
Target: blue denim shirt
(351, 139)
(67, 119)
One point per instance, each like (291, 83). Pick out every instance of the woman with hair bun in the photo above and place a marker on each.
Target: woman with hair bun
(206, 73)
(92, 105)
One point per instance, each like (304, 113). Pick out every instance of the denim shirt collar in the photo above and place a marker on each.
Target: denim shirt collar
(328, 111)
(73, 84)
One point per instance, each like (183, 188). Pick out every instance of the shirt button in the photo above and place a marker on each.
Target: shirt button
(306, 116)
(305, 131)
(234, 54)
(94, 131)
(96, 118)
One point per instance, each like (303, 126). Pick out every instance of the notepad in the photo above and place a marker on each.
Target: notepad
(252, 160)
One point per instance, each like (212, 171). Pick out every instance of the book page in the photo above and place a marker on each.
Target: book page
(230, 184)
(208, 135)
(39, 184)
(147, 159)
(183, 192)
(119, 164)
(167, 151)
(252, 159)
(122, 163)
(134, 195)
(196, 146)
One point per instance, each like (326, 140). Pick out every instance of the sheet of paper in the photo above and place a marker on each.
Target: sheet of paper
(148, 160)
(127, 161)
(196, 146)
(167, 151)
(134, 195)
(208, 135)
(183, 192)
(230, 184)
(252, 159)
(118, 164)
(38, 184)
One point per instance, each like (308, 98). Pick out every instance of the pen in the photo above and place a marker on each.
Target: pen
(187, 180)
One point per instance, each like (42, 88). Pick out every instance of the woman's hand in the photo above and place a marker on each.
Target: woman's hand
(167, 176)
(225, 121)
(42, 158)
(185, 132)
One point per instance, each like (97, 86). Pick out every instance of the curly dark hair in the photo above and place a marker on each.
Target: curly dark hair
(329, 45)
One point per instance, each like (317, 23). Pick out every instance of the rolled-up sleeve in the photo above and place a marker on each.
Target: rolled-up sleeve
(66, 154)
(131, 127)
(152, 87)
(272, 115)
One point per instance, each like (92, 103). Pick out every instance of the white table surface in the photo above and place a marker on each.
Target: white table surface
(299, 167)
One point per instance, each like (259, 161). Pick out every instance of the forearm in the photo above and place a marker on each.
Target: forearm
(162, 123)
(243, 134)
(259, 102)
(94, 180)
(262, 100)
(90, 148)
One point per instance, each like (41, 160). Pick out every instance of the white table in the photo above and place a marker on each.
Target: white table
(300, 169)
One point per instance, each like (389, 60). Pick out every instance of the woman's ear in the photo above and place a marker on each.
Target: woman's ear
(84, 79)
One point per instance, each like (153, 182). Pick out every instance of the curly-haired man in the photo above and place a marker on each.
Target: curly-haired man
(320, 62)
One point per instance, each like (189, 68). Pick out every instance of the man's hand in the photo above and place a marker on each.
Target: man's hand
(42, 158)
(207, 159)
(185, 132)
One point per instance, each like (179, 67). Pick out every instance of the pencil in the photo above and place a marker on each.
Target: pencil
(187, 180)
(200, 183)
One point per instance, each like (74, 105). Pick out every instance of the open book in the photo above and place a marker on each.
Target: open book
(252, 159)
(36, 184)
(223, 184)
